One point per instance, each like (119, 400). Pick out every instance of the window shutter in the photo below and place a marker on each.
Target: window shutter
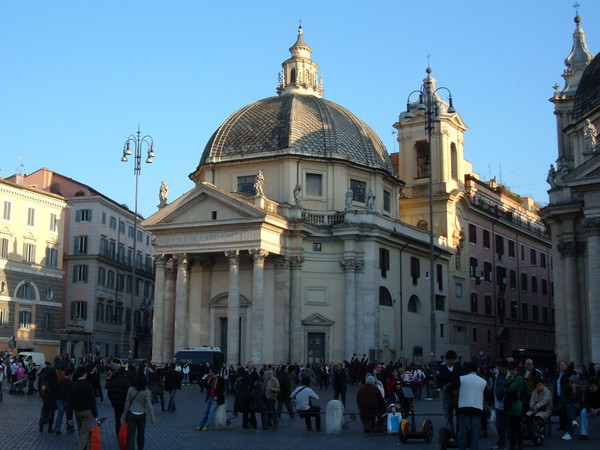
(76, 245)
(84, 310)
(75, 274)
(85, 273)
(73, 310)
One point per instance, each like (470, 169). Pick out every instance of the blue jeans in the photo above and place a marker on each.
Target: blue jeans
(62, 408)
(585, 417)
(172, 395)
(571, 416)
(449, 411)
(501, 426)
(468, 424)
(210, 408)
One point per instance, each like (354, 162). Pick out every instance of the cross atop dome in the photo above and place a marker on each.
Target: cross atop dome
(299, 75)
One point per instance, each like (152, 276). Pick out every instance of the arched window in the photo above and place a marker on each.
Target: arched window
(27, 291)
(385, 298)
(453, 161)
(422, 155)
(293, 76)
(414, 304)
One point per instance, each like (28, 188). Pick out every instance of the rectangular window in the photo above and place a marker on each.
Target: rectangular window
(513, 279)
(511, 249)
(140, 236)
(80, 245)
(130, 231)
(533, 257)
(83, 215)
(472, 234)
(545, 314)
(121, 253)
(25, 319)
(120, 282)
(487, 271)
(458, 290)
(103, 217)
(79, 310)
(112, 247)
(499, 246)
(474, 302)
(536, 314)
(359, 191)
(314, 184)
(543, 260)
(51, 257)
(113, 223)
(473, 271)
(30, 216)
(524, 282)
(46, 321)
(101, 276)
(121, 227)
(4, 317)
(474, 335)
(4, 245)
(384, 261)
(440, 303)
(7, 211)
(246, 184)
(501, 278)
(148, 264)
(110, 316)
(103, 246)
(441, 330)
(99, 312)
(488, 305)
(80, 273)
(522, 253)
(514, 309)
(111, 279)
(489, 336)
(29, 252)
(387, 201)
(544, 286)
(439, 276)
(534, 285)
(525, 311)
(53, 225)
(501, 308)
(486, 239)
(415, 269)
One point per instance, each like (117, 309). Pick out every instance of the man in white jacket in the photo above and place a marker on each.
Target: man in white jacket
(470, 407)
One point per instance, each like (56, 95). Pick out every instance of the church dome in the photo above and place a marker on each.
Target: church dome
(296, 124)
(587, 98)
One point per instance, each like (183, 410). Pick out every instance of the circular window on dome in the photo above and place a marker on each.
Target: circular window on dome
(49, 294)
(3, 287)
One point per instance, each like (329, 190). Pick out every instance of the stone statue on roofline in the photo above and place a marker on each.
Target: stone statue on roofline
(163, 193)
(370, 200)
(298, 194)
(589, 136)
(349, 197)
(259, 182)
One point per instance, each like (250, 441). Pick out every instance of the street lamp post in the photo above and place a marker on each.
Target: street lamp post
(428, 104)
(138, 143)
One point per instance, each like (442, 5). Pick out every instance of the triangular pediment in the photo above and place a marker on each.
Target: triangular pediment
(205, 204)
(317, 319)
(586, 173)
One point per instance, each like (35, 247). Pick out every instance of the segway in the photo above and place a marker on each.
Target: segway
(408, 429)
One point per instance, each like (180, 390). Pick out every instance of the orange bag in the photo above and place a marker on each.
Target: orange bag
(95, 441)
(123, 433)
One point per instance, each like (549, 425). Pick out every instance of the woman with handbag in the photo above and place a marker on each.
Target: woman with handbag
(136, 404)
(303, 395)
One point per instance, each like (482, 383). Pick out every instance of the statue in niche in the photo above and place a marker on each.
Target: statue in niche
(297, 194)
(259, 181)
(370, 200)
(589, 135)
(163, 193)
(551, 178)
(349, 197)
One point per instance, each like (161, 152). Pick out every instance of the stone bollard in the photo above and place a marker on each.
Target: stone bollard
(334, 417)
(220, 419)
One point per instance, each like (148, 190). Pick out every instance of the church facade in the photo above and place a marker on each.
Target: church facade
(289, 246)
(573, 213)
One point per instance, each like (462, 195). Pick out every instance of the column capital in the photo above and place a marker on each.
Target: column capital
(296, 262)
(282, 262)
(170, 268)
(233, 256)
(568, 248)
(160, 260)
(360, 265)
(591, 226)
(181, 259)
(349, 264)
(258, 255)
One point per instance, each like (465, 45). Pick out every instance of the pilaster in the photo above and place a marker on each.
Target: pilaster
(233, 308)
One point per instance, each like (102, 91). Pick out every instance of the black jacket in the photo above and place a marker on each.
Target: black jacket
(82, 398)
(450, 379)
(64, 386)
(340, 381)
(284, 386)
(117, 391)
(172, 380)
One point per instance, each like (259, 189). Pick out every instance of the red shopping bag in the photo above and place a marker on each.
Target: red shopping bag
(123, 433)
(96, 441)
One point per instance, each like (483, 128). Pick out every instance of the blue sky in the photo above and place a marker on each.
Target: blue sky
(76, 78)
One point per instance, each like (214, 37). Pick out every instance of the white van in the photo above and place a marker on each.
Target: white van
(36, 357)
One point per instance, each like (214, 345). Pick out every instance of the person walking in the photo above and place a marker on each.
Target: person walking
(64, 386)
(83, 401)
(285, 392)
(158, 387)
(172, 385)
(215, 396)
(340, 383)
(136, 404)
(117, 393)
(49, 394)
(470, 407)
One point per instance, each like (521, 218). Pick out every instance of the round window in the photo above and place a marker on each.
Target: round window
(49, 294)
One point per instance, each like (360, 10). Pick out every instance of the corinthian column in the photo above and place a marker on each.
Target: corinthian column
(159, 310)
(181, 302)
(592, 228)
(233, 308)
(281, 325)
(169, 311)
(349, 307)
(296, 341)
(568, 251)
(258, 256)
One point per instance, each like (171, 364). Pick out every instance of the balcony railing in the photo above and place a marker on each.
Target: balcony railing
(324, 218)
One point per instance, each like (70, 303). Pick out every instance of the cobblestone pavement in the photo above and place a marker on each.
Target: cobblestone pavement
(19, 416)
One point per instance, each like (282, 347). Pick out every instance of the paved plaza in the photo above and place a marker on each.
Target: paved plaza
(19, 417)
